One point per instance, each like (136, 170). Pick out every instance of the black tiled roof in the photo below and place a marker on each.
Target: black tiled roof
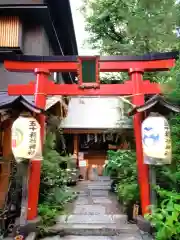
(17, 102)
(156, 102)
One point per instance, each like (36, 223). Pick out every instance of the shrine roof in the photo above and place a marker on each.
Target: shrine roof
(17, 102)
(156, 103)
(26, 102)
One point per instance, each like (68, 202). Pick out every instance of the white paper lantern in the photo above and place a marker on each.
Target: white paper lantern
(156, 139)
(26, 142)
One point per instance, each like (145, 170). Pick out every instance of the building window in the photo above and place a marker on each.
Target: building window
(10, 33)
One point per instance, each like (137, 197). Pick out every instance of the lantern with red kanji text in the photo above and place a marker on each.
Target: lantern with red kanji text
(26, 142)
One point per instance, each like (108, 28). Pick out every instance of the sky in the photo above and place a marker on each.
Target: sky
(79, 26)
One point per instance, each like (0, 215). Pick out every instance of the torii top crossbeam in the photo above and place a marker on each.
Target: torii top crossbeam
(75, 64)
(88, 69)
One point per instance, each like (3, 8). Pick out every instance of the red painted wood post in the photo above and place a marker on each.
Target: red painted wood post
(35, 167)
(143, 175)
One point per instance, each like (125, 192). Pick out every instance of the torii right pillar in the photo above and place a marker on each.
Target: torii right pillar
(136, 76)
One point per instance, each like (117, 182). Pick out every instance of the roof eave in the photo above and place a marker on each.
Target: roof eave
(157, 99)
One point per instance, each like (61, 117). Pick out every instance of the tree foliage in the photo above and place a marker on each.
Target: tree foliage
(171, 84)
(133, 26)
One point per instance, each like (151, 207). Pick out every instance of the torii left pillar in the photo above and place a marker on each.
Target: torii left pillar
(35, 165)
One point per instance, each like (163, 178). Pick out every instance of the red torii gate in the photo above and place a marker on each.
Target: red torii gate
(43, 87)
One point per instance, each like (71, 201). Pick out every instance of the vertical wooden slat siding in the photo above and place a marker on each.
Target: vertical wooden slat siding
(9, 31)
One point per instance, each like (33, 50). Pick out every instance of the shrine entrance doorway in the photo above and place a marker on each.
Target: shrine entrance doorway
(88, 69)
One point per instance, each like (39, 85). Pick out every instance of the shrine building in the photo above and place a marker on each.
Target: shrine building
(95, 125)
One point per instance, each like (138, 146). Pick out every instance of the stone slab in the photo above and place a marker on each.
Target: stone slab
(93, 219)
(144, 225)
(101, 200)
(99, 184)
(89, 210)
(93, 229)
(105, 188)
(103, 178)
(52, 238)
(83, 192)
(121, 237)
(31, 236)
(99, 193)
(81, 201)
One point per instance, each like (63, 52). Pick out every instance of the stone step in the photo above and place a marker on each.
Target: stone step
(94, 192)
(100, 182)
(102, 200)
(93, 229)
(83, 193)
(100, 193)
(93, 219)
(99, 187)
(89, 210)
(103, 178)
(121, 237)
(52, 238)
(81, 200)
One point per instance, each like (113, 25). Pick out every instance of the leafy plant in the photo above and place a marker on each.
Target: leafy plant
(128, 193)
(48, 214)
(166, 217)
(122, 167)
(54, 193)
(118, 164)
(170, 84)
(53, 174)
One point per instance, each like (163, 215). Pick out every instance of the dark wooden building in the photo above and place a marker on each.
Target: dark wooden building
(35, 27)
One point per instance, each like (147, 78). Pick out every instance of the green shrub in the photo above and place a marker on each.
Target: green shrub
(54, 193)
(122, 167)
(166, 217)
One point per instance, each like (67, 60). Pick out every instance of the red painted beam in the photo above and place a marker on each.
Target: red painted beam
(158, 65)
(74, 90)
(51, 66)
(111, 66)
(22, 89)
(150, 88)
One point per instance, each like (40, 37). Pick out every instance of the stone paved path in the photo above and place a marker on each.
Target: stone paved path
(95, 215)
